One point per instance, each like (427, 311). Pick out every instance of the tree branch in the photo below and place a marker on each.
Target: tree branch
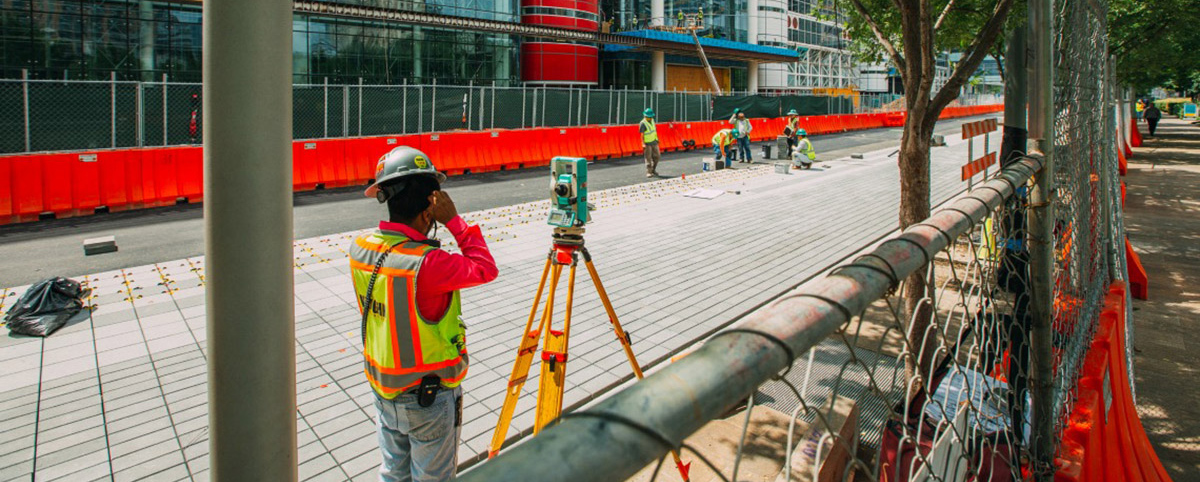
(942, 17)
(897, 59)
(976, 51)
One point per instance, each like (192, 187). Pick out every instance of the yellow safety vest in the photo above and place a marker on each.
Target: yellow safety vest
(399, 346)
(723, 137)
(805, 147)
(651, 134)
(793, 123)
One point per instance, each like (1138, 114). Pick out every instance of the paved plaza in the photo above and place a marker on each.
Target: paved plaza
(120, 392)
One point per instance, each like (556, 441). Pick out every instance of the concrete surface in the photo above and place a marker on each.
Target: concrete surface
(1162, 216)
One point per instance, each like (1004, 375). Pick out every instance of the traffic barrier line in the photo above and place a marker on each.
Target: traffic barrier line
(66, 184)
(1104, 438)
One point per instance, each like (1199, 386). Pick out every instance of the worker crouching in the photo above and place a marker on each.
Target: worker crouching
(413, 335)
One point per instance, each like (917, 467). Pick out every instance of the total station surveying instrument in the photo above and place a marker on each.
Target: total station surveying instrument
(569, 212)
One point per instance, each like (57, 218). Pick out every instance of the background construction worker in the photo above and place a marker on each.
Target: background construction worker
(650, 142)
(789, 129)
(414, 339)
(722, 143)
(804, 154)
(742, 126)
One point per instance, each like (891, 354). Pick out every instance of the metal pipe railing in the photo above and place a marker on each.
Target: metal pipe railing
(624, 433)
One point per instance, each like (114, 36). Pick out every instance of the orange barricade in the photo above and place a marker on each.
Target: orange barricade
(304, 165)
(56, 187)
(85, 179)
(1138, 278)
(161, 167)
(536, 146)
(669, 138)
(26, 187)
(447, 157)
(1135, 136)
(6, 197)
(189, 169)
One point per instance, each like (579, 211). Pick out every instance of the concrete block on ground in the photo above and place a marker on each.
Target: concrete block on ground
(856, 155)
(101, 245)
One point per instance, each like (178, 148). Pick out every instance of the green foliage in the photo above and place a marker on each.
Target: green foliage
(961, 25)
(1156, 43)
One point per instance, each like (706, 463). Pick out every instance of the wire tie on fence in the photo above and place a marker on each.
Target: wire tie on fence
(787, 350)
(622, 420)
(997, 191)
(890, 273)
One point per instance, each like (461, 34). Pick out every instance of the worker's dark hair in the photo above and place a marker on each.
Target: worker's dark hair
(413, 199)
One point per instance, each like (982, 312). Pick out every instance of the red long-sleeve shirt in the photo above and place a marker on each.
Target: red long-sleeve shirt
(443, 272)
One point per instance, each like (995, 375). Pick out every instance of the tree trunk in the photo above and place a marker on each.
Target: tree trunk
(914, 208)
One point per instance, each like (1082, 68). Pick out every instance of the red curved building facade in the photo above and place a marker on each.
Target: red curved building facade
(545, 62)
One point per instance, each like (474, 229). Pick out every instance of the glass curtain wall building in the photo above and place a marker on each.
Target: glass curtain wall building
(143, 40)
(815, 29)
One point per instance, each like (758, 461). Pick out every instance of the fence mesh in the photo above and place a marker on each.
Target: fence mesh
(1085, 164)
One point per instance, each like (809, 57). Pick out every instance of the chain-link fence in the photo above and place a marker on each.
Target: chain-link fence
(50, 115)
(1085, 220)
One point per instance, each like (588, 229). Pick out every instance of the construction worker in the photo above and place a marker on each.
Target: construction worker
(700, 16)
(680, 17)
(742, 126)
(789, 129)
(804, 154)
(414, 339)
(722, 143)
(650, 142)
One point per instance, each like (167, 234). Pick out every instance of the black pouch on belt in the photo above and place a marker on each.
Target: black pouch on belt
(428, 390)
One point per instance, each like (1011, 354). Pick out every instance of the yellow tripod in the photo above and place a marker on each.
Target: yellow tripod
(567, 246)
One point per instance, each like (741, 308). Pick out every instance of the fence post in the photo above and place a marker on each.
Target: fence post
(493, 121)
(482, 94)
(570, 104)
(325, 110)
(587, 112)
(543, 106)
(360, 92)
(112, 102)
(523, 95)
(345, 110)
(248, 239)
(467, 104)
(164, 109)
(1041, 239)
(141, 114)
(433, 107)
(25, 103)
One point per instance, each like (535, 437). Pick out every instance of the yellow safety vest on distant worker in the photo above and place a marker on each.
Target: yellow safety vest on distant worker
(651, 133)
(723, 137)
(805, 147)
(399, 346)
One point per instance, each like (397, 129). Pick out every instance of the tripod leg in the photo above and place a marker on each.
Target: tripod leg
(529, 345)
(623, 338)
(554, 365)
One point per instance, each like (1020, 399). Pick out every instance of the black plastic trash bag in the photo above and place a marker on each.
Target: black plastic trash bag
(45, 307)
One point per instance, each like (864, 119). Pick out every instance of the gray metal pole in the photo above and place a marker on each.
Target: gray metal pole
(112, 102)
(360, 91)
(404, 107)
(141, 114)
(1016, 96)
(164, 109)
(248, 239)
(25, 103)
(433, 108)
(325, 109)
(492, 123)
(524, 92)
(420, 105)
(1041, 238)
(345, 110)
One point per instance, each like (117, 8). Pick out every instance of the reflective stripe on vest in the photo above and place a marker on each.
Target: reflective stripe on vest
(805, 146)
(401, 347)
(723, 137)
(651, 134)
(793, 122)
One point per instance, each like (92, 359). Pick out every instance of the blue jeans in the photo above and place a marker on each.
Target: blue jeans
(419, 444)
(743, 144)
(729, 153)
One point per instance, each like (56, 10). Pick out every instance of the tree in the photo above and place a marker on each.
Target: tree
(1155, 42)
(910, 34)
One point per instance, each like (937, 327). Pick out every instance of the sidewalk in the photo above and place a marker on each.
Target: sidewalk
(1162, 216)
(121, 390)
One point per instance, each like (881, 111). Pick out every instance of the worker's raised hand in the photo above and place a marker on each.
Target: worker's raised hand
(443, 207)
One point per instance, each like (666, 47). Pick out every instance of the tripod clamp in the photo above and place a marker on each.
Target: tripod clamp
(566, 242)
